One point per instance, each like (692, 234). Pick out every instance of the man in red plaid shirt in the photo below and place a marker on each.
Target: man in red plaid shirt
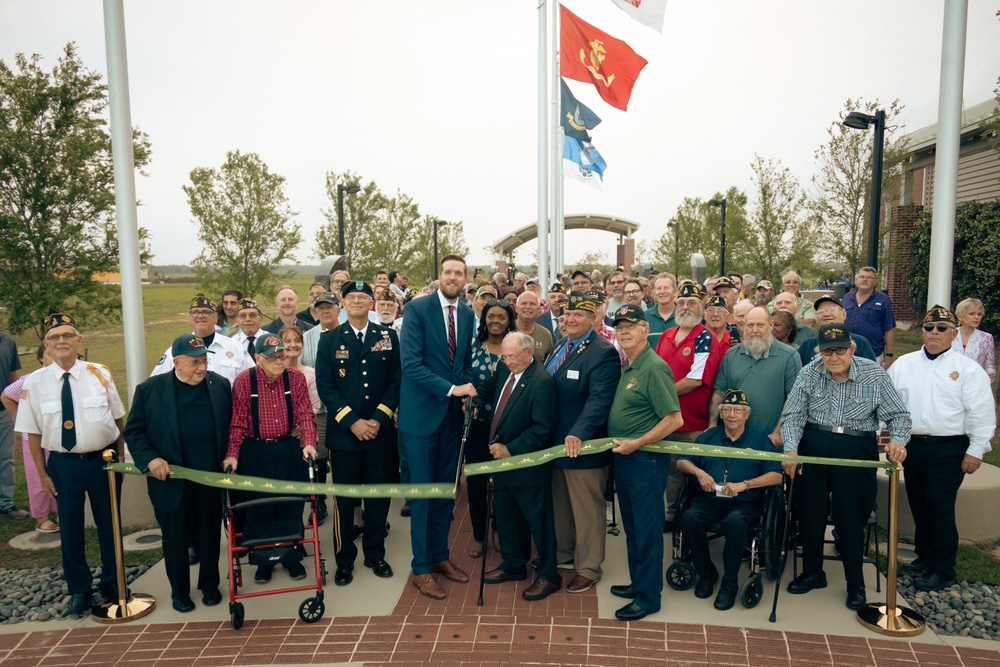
(271, 431)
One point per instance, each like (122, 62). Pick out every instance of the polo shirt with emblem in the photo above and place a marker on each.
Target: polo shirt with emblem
(870, 319)
(688, 359)
(645, 395)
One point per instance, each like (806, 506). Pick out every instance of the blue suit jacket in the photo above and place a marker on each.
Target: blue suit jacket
(428, 373)
(585, 386)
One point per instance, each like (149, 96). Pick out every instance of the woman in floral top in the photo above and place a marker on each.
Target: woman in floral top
(972, 341)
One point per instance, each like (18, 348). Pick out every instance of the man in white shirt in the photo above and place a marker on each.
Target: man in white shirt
(250, 319)
(72, 409)
(327, 307)
(229, 356)
(949, 399)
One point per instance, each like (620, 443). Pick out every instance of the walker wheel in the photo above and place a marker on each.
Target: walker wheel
(311, 610)
(236, 614)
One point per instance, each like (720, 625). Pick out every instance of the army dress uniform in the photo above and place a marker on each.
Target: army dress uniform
(360, 380)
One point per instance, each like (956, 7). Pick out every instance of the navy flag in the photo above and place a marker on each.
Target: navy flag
(576, 117)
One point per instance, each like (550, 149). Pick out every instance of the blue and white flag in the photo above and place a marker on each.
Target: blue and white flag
(588, 165)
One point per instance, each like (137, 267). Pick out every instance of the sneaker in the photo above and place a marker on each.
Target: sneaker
(15, 512)
(296, 571)
(263, 575)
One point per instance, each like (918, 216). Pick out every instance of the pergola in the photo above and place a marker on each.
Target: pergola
(506, 246)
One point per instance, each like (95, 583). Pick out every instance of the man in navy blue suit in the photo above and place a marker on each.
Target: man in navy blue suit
(436, 354)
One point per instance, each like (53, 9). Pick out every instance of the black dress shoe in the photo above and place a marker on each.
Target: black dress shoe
(932, 581)
(627, 591)
(344, 575)
(807, 582)
(193, 555)
(706, 585)
(79, 603)
(632, 612)
(727, 595)
(108, 592)
(183, 605)
(211, 597)
(500, 575)
(405, 509)
(856, 597)
(915, 567)
(379, 567)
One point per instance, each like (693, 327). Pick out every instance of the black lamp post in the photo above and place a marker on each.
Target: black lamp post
(677, 248)
(351, 189)
(437, 223)
(721, 203)
(860, 121)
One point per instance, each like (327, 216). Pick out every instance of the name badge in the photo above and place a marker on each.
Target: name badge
(343, 354)
(573, 375)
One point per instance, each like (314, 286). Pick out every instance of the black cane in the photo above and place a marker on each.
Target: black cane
(467, 424)
(784, 547)
(486, 541)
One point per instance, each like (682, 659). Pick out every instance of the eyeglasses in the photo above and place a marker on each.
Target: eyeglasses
(839, 351)
(730, 409)
(202, 312)
(356, 298)
(633, 292)
(511, 357)
(57, 337)
(275, 357)
(940, 326)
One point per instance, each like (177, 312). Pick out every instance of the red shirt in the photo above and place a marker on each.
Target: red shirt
(273, 415)
(691, 358)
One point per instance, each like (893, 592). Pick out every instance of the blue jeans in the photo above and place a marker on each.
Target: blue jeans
(641, 479)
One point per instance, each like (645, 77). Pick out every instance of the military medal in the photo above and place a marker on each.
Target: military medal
(68, 424)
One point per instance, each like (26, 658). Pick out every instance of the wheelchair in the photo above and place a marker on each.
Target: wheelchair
(763, 550)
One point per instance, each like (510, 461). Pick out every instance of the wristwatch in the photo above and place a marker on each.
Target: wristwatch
(888, 354)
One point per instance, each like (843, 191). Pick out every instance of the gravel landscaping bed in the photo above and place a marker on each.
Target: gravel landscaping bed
(40, 594)
(966, 609)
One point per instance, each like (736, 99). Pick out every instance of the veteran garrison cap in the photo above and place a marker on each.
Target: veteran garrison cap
(268, 345)
(59, 320)
(190, 345)
(326, 297)
(356, 286)
(717, 301)
(725, 281)
(940, 314)
(558, 287)
(834, 335)
(629, 313)
(386, 295)
(201, 301)
(596, 295)
(249, 303)
(580, 301)
(696, 290)
(735, 397)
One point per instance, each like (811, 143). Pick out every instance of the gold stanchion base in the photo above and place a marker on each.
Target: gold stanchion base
(137, 606)
(904, 623)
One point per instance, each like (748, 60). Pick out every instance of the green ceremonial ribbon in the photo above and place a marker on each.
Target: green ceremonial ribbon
(423, 491)
(663, 447)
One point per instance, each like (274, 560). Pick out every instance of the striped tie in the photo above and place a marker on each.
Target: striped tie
(452, 337)
(569, 348)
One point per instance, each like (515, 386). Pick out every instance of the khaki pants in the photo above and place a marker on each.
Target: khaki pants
(676, 480)
(579, 509)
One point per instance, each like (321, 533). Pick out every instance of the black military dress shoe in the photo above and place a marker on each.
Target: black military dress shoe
(183, 605)
(932, 581)
(379, 567)
(706, 585)
(627, 591)
(727, 595)
(915, 567)
(108, 592)
(344, 575)
(211, 597)
(500, 575)
(632, 612)
(856, 597)
(79, 603)
(807, 582)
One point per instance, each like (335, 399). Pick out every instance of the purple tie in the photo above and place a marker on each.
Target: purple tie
(501, 404)
(452, 338)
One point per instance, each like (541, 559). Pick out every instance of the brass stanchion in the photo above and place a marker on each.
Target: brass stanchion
(131, 606)
(889, 619)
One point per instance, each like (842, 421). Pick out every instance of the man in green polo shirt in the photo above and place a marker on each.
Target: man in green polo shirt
(645, 410)
(661, 316)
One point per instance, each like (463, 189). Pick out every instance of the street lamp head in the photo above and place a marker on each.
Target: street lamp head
(858, 121)
(440, 223)
(352, 189)
(716, 202)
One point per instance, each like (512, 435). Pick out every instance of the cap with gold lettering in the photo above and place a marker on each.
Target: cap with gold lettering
(249, 303)
(580, 301)
(734, 397)
(202, 301)
(834, 335)
(696, 290)
(940, 314)
(59, 320)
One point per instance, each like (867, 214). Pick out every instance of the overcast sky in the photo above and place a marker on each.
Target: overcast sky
(437, 98)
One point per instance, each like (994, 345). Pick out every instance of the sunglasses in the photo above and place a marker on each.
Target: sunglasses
(940, 326)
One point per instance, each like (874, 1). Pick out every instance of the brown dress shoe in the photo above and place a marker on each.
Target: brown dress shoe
(540, 589)
(450, 571)
(500, 575)
(427, 586)
(580, 584)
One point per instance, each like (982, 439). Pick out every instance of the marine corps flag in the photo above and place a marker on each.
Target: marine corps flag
(576, 117)
(591, 55)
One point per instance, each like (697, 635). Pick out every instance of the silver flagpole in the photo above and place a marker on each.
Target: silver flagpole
(543, 147)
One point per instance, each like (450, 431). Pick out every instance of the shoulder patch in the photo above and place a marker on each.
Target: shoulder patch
(162, 359)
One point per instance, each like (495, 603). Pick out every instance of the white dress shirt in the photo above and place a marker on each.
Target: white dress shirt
(229, 358)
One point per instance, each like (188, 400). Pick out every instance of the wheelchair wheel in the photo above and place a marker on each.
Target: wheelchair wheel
(751, 591)
(236, 614)
(311, 609)
(680, 575)
(773, 535)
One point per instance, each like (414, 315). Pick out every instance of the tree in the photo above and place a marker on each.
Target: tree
(451, 241)
(777, 236)
(976, 271)
(841, 199)
(245, 225)
(57, 196)
(697, 227)
(992, 126)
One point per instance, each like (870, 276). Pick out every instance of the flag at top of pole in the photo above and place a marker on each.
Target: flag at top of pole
(591, 55)
(646, 12)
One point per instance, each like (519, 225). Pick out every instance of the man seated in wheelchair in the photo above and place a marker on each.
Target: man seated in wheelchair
(729, 493)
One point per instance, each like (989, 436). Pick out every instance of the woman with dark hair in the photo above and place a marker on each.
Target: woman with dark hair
(496, 321)
(783, 327)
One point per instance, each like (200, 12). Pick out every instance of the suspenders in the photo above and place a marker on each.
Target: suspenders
(255, 403)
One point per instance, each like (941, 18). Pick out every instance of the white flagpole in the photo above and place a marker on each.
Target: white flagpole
(956, 16)
(557, 186)
(543, 145)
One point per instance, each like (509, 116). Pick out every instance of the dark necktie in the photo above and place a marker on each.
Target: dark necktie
(361, 339)
(569, 348)
(452, 338)
(69, 427)
(501, 404)
(250, 348)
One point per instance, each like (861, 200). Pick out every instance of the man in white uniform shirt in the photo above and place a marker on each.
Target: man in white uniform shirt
(250, 319)
(229, 356)
(72, 409)
(951, 405)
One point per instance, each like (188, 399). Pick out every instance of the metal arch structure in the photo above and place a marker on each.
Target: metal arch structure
(506, 246)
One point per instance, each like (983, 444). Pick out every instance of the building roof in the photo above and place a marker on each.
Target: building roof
(926, 137)
(516, 239)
